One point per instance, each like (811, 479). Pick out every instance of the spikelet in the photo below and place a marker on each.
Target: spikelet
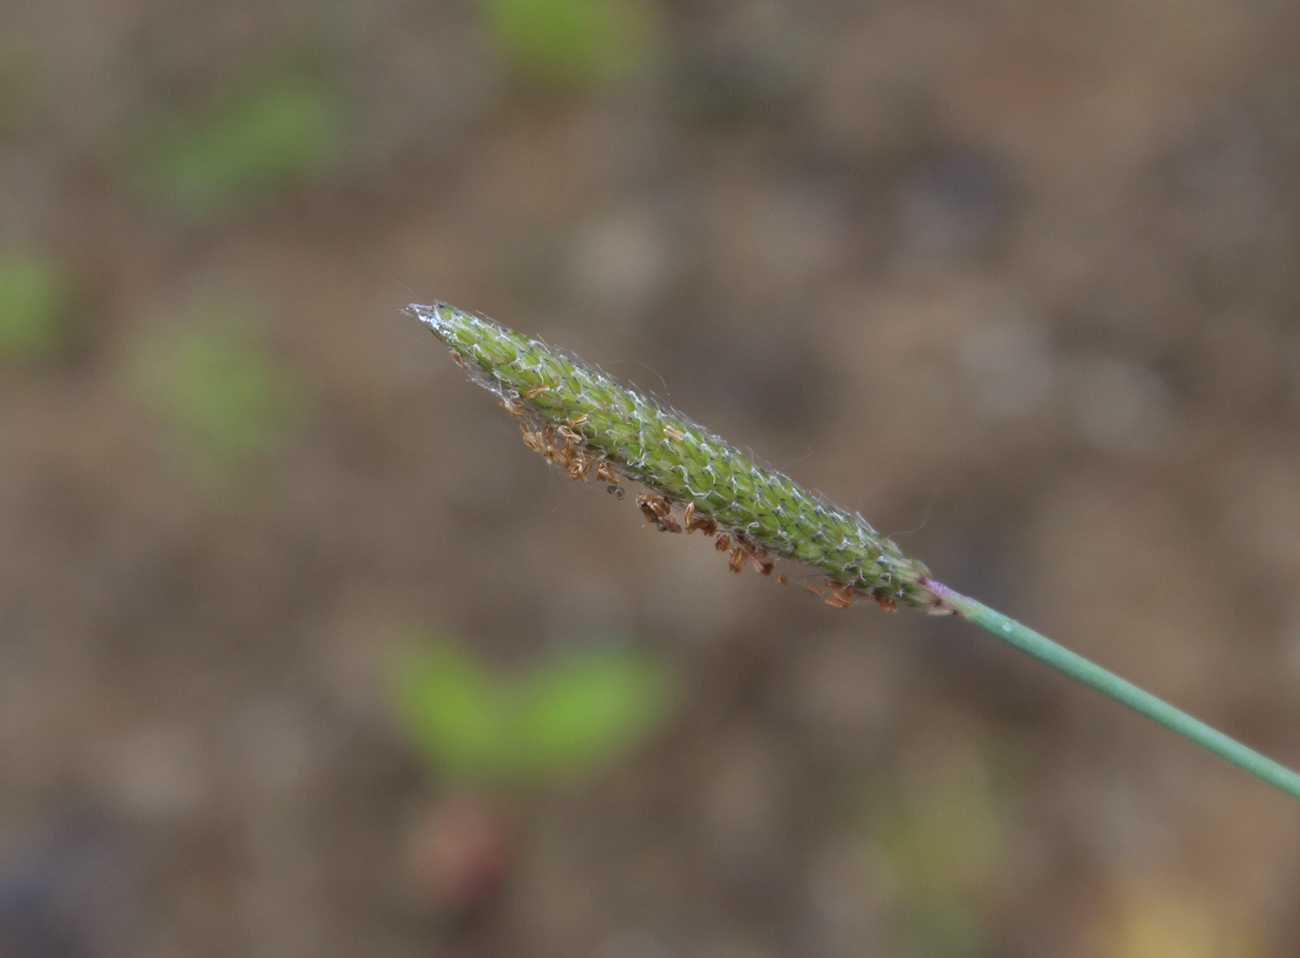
(620, 430)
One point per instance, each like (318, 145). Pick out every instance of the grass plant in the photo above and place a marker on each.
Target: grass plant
(552, 721)
(250, 142)
(224, 400)
(583, 421)
(573, 44)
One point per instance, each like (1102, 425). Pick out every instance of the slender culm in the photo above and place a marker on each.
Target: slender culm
(582, 420)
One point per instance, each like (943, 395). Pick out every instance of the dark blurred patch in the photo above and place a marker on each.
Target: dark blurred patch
(720, 82)
(780, 381)
(952, 202)
(68, 894)
(764, 368)
(535, 265)
(1218, 186)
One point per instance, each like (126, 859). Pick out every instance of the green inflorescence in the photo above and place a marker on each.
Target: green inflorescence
(766, 512)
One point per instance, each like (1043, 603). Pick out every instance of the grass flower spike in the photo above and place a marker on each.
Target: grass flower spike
(585, 422)
(597, 422)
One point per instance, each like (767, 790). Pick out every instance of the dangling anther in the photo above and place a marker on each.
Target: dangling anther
(739, 556)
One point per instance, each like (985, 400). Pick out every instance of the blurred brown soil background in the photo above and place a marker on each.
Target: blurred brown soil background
(1018, 281)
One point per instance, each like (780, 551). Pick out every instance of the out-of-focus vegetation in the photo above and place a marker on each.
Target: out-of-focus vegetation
(245, 144)
(224, 400)
(570, 42)
(563, 717)
(1153, 920)
(941, 839)
(35, 304)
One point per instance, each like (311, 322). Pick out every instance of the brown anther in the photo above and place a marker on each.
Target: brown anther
(578, 466)
(762, 563)
(739, 556)
(514, 407)
(723, 543)
(886, 602)
(569, 434)
(459, 360)
(782, 579)
(560, 456)
(660, 510)
(534, 441)
(574, 424)
(815, 590)
(672, 433)
(537, 391)
(661, 505)
(842, 596)
(605, 474)
(702, 523)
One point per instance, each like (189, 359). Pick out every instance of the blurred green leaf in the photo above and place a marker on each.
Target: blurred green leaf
(578, 712)
(225, 400)
(565, 717)
(456, 713)
(34, 301)
(570, 42)
(250, 145)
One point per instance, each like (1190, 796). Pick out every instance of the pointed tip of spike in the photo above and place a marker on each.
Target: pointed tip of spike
(425, 314)
(438, 316)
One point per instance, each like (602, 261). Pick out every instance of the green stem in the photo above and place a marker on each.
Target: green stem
(1126, 693)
